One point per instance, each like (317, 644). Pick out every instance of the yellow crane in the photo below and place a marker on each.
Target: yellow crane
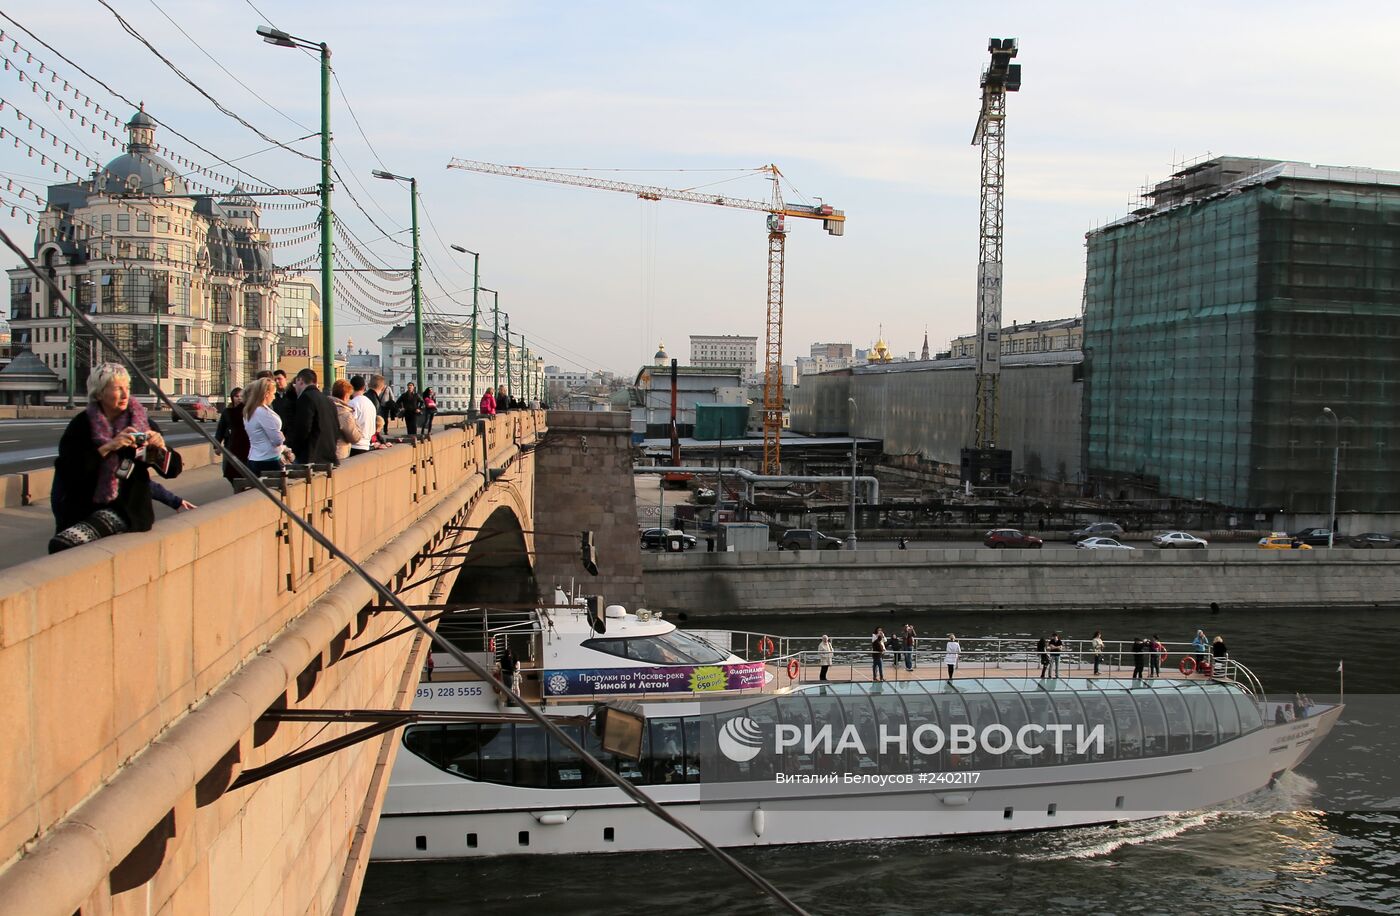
(833, 221)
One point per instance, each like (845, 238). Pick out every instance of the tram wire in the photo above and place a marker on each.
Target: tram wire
(606, 772)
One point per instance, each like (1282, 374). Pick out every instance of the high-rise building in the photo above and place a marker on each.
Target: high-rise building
(183, 283)
(725, 351)
(833, 351)
(1221, 318)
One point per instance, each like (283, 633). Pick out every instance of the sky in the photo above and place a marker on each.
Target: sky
(869, 107)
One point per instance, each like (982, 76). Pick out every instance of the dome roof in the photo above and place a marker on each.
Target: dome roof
(660, 352)
(139, 170)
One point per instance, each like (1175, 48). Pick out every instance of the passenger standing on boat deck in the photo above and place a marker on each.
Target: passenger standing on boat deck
(877, 654)
(1219, 655)
(1044, 657)
(951, 657)
(1097, 646)
(1157, 656)
(1201, 645)
(910, 638)
(1139, 657)
(1056, 645)
(508, 668)
(824, 656)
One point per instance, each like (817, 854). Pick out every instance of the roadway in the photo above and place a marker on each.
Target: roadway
(883, 544)
(28, 445)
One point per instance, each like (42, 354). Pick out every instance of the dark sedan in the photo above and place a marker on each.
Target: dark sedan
(1316, 537)
(1372, 540)
(1096, 530)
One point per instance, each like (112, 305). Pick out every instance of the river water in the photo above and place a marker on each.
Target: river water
(1326, 839)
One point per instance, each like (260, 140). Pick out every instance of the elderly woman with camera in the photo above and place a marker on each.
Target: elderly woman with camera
(101, 484)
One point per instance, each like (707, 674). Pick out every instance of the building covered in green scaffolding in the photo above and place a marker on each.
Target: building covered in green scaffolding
(1222, 318)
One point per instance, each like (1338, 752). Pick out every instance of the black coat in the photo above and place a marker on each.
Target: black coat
(314, 428)
(75, 479)
(410, 402)
(284, 404)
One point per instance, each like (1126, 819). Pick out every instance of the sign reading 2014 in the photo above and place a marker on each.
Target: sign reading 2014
(679, 679)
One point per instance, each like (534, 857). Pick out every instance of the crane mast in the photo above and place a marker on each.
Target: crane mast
(833, 221)
(1000, 77)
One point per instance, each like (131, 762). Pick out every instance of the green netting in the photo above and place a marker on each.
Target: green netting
(1215, 333)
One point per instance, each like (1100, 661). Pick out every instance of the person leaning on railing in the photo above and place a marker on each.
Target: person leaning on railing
(101, 483)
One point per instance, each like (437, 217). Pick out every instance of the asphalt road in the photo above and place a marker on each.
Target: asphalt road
(27, 445)
(871, 544)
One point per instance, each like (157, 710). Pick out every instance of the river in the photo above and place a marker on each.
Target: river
(1324, 840)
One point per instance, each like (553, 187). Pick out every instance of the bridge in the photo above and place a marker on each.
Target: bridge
(156, 684)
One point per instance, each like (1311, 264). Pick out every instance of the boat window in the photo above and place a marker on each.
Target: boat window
(634, 771)
(890, 715)
(1096, 713)
(795, 712)
(425, 741)
(1203, 726)
(951, 710)
(531, 757)
(496, 748)
(1248, 710)
(1040, 711)
(1154, 723)
(761, 766)
(673, 648)
(1125, 718)
(982, 711)
(566, 769)
(826, 710)
(699, 741)
(667, 751)
(1012, 712)
(459, 749)
(1226, 715)
(1070, 712)
(859, 713)
(1178, 720)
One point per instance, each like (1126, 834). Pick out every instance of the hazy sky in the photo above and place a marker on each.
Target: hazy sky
(868, 106)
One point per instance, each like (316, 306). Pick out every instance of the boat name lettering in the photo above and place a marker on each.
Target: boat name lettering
(677, 679)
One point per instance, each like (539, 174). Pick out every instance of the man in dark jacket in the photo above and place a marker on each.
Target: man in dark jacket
(284, 401)
(314, 427)
(410, 404)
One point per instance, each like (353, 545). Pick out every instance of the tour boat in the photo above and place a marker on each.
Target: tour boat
(754, 751)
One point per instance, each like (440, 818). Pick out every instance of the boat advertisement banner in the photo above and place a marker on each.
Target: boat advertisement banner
(677, 679)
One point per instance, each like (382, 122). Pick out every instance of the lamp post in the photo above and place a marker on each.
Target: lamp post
(851, 539)
(283, 40)
(1336, 450)
(495, 373)
(417, 284)
(476, 289)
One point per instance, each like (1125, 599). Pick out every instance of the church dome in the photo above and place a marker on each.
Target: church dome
(661, 356)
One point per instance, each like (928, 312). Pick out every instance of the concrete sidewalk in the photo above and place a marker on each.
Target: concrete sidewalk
(25, 530)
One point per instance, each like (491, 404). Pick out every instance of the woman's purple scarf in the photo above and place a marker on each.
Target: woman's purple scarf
(104, 431)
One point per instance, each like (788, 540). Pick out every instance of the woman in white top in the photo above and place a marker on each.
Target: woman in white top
(951, 658)
(824, 655)
(265, 439)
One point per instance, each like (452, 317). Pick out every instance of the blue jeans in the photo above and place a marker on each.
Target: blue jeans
(877, 667)
(908, 659)
(1054, 664)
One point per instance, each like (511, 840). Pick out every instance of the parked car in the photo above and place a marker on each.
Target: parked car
(655, 538)
(1317, 537)
(1180, 540)
(1283, 541)
(1010, 537)
(1373, 539)
(1096, 530)
(807, 539)
(1101, 544)
(197, 407)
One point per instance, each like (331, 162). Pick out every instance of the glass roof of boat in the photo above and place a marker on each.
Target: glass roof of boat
(969, 685)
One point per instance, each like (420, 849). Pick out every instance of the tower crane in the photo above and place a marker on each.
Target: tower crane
(833, 221)
(1000, 77)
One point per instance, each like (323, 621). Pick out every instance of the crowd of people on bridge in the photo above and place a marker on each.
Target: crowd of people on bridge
(102, 481)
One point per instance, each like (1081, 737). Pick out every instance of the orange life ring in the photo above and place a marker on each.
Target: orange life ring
(793, 669)
(1187, 665)
(491, 646)
(765, 647)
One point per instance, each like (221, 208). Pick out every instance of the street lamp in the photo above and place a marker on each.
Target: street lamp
(283, 40)
(476, 288)
(417, 285)
(495, 351)
(1336, 449)
(851, 538)
(510, 381)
